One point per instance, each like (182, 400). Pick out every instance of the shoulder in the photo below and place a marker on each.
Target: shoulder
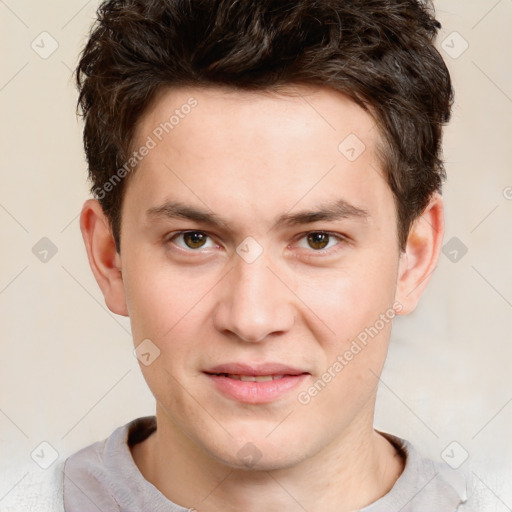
(104, 475)
(424, 484)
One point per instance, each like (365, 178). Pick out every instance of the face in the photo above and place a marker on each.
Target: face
(256, 254)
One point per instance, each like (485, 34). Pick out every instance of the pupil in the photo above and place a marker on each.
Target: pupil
(194, 239)
(318, 240)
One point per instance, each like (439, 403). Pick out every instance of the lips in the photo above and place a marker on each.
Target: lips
(258, 370)
(262, 383)
(253, 378)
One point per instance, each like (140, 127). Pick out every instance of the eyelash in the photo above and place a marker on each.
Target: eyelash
(342, 239)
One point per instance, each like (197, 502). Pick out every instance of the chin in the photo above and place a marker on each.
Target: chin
(265, 463)
(257, 453)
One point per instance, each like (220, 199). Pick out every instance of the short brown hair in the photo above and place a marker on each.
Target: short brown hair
(378, 52)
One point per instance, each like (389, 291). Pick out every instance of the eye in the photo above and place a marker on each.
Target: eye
(319, 240)
(192, 240)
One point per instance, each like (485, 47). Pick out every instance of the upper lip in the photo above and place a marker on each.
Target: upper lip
(255, 369)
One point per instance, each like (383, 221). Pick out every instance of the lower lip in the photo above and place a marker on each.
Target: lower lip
(256, 392)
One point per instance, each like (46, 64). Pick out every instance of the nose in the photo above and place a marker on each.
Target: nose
(253, 303)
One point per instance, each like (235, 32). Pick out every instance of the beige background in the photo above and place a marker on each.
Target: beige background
(68, 376)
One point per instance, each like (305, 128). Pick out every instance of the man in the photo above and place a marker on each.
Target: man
(267, 182)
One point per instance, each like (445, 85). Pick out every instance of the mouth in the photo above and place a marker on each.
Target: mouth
(255, 384)
(248, 378)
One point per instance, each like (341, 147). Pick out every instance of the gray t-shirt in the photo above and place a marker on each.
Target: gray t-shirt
(104, 476)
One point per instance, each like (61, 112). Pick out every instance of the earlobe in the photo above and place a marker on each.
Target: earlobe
(419, 260)
(104, 260)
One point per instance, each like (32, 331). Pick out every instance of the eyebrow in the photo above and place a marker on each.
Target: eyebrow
(336, 210)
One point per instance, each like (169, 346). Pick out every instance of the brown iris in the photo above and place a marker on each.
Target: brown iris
(318, 240)
(194, 239)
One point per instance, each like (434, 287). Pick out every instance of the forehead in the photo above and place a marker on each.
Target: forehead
(264, 150)
(301, 110)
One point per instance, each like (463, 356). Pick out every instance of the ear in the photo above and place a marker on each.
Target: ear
(104, 259)
(419, 259)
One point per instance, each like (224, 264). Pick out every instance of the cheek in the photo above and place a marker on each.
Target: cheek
(171, 308)
(349, 299)
(352, 361)
(356, 304)
(159, 300)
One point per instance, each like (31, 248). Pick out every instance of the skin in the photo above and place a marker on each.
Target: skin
(250, 158)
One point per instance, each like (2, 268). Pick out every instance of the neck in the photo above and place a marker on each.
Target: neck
(353, 471)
